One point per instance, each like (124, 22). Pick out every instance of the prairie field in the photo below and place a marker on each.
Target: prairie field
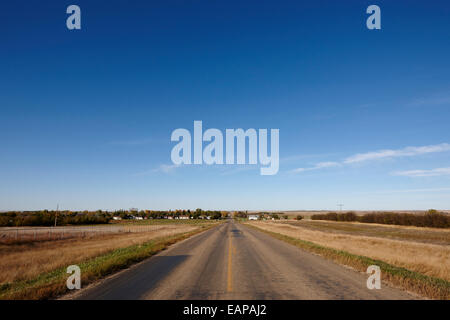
(424, 250)
(23, 262)
(309, 213)
(18, 235)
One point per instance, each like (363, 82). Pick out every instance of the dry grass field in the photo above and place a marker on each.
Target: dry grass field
(308, 213)
(424, 250)
(25, 264)
(25, 261)
(18, 235)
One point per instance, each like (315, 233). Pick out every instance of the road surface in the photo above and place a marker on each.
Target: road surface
(233, 261)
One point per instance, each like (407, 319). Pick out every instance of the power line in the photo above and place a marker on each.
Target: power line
(56, 214)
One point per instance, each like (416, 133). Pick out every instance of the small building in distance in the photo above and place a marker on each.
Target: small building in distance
(253, 217)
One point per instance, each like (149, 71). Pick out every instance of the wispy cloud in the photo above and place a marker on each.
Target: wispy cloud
(407, 191)
(318, 166)
(167, 168)
(297, 157)
(164, 168)
(423, 173)
(136, 142)
(230, 171)
(380, 154)
(430, 101)
(405, 152)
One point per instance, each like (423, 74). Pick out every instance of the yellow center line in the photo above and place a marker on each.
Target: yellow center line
(229, 279)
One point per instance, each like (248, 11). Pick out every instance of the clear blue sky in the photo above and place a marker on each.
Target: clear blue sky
(86, 116)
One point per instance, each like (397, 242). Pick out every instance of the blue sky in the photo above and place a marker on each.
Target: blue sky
(86, 115)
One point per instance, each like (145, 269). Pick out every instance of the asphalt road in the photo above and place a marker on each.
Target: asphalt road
(233, 261)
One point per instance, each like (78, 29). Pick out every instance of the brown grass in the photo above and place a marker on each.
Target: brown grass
(409, 233)
(26, 261)
(426, 286)
(45, 277)
(428, 259)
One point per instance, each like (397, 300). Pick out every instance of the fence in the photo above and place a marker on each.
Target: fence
(27, 234)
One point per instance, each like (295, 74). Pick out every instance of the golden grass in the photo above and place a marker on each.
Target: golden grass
(426, 286)
(428, 259)
(410, 233)
(52, 284)
(26, 261)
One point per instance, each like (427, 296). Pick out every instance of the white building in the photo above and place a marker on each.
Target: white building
(253, 217)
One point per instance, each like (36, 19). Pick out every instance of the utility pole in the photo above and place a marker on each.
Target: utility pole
(340, 206)
(56, 214)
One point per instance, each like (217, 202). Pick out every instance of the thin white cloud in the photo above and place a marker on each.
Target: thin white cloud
(381, 154)
(430, 101)
(297, 157)
(167, 168)
(227, 171)
(164, 168)
(423, 173)
(405, 152)
(411, 190)
(136, 142)
(318, 166)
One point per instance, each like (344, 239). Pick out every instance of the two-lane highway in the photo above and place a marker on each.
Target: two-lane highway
(233, 261)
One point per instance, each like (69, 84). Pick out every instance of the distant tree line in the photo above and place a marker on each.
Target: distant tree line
(431, 218)
(47, 218)
(160, 214)
(241, 214)
(263, 215)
